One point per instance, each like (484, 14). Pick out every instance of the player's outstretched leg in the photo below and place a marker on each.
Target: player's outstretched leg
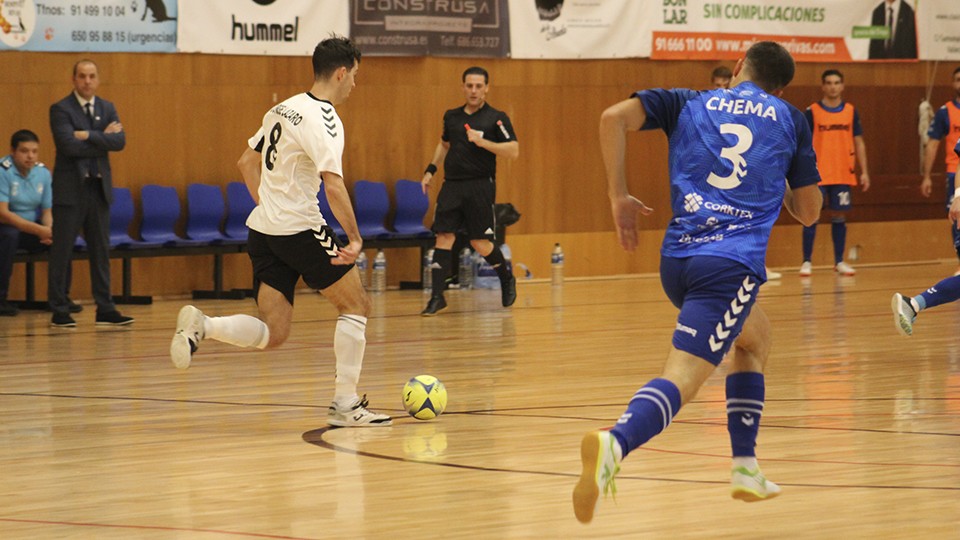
(187, 338)
(903, 314)
(599, 458)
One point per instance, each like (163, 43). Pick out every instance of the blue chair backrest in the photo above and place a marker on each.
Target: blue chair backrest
(161, 210)
(327, 212)
(239, 206)
(121, 214)
(371, 204)
(412, 204)
(205, 211)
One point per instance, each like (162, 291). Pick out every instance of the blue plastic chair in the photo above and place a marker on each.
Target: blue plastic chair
(121, 214)
(161, 210)
(205, 212)
(239, 206)
(327, 213)
(412, 204)
(371, 204)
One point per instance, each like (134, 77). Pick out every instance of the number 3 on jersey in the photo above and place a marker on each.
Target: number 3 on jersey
(270, 155)
(734, 154)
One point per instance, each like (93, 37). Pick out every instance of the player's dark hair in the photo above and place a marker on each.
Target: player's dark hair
(770, 65)
(956, 71)
(829, 72)
(24, 135)
(332, 54)
(721, 72)
(84, 61)
(476, 70)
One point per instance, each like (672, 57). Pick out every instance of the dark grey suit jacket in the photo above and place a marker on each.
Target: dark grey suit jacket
(76, 158)
(904, 37)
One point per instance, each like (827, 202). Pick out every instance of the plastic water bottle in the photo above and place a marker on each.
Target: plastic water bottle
(556, 265)
(379, 272)
(466, 268)
(428, 272)
(362, 267)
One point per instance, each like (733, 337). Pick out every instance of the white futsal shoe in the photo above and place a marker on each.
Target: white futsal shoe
(188, 336)
(751, 486)
(903, 314)
(599, 460)
(356, 415)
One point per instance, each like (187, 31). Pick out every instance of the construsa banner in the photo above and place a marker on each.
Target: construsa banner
(580, 28)
(939, 22)
(271, 27)
(812, 30)
(89, 25)
(431, 28)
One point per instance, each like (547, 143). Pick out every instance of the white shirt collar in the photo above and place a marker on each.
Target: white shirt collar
(83, 102)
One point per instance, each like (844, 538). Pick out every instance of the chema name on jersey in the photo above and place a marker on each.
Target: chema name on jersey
(741, 106)
(288, 113)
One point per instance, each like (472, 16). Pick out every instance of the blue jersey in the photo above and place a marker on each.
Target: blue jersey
(25, 196)
(732, 152)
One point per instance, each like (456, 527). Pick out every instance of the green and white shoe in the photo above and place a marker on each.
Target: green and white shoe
(599, 459)
(751, 486)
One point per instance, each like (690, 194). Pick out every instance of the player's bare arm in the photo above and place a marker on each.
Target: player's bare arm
(439, 154)
(861, 149)
(339, 201)
(614, 123)
(804, 203)
(249, 165)
(929, 156)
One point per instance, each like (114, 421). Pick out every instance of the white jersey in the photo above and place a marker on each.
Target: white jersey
(300, 139)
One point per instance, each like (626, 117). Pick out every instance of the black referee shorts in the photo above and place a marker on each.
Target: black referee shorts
(467, 205)
(279, 261)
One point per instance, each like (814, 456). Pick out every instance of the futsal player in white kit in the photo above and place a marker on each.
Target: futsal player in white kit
(299, 145)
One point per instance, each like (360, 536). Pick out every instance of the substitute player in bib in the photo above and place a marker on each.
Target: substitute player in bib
(300, 145)
(474, 135)
(837, 138)
(945, 126)
(906, 309)
(730, 151)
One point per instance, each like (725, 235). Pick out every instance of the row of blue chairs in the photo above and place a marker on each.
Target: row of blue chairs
(372, 205)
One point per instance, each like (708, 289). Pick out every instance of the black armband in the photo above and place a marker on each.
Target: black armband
(431, 168)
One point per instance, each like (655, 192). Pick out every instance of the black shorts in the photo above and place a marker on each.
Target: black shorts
(279, 261)
(467, 205)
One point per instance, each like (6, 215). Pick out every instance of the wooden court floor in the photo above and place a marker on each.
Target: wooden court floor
(100, 437)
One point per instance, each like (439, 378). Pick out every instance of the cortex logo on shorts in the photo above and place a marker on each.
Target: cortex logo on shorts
(692, 202)
(731, 316)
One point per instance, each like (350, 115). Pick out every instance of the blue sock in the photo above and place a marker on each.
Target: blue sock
(745, 392)
(956, 237)
(944, 292)
(838, 229)
(809, 234)
(650, 411)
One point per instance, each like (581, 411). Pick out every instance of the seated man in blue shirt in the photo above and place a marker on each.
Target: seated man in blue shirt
(25, 194)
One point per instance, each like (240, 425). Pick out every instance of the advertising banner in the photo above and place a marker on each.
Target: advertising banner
(812, 30)
(940, 34)
(580, 28)
(89, 25)
(261, 27)
(430, 28)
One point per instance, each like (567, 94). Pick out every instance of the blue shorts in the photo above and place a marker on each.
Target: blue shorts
(836, 197)
(715, 296)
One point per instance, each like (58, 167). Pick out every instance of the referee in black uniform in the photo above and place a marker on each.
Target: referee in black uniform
(473, 136)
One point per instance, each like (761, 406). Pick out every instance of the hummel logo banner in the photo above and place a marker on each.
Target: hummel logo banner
(287, 28)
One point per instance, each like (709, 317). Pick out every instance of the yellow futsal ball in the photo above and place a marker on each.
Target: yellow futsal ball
(424, 397)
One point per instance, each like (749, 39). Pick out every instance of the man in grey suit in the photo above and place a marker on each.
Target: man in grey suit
(85, 129)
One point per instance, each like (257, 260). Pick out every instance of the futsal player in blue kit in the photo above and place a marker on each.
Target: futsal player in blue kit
(730, 151)
(905, 308)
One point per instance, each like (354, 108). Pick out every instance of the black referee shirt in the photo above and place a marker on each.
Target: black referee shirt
(465, 160)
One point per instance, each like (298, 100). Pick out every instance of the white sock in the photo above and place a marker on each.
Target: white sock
(747, 462)
(349, 342)
(239, 330)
